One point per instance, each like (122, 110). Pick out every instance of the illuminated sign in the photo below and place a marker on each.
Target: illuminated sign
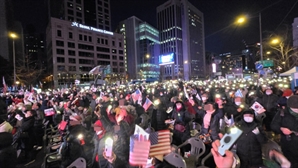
(166, 59)
(75, 24)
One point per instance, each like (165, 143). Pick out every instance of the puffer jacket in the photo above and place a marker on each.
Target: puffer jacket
(284, 118)
(249, 145)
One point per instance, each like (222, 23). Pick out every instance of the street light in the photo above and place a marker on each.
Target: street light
(147, 56)
(275, 41)
(242, 19)
(14, 36)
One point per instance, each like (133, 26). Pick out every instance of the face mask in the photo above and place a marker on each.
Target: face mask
(295, 110)
(268, 92)
(248, 119)
(287, 97)
(238, 103)
(204, 98)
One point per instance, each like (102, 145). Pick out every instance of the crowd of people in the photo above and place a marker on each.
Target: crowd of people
(265, 110)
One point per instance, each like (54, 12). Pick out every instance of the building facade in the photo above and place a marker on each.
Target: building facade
(295, 32)
(181, 28)
(73, 49)
(141, 48)
(94, 13)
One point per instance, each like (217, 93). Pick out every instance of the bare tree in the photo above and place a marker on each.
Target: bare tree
(28, 71)
(282, 51)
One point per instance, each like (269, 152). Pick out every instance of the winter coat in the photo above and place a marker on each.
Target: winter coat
(269, 102)
(214, 123)
(249, 145)
(158, 118)
(284, 118)
(8, 155)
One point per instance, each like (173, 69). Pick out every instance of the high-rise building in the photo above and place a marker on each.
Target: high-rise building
(4, 50)
(295, 32)
(95, 13)
(73, 49)
(141, 42)
(181, 27)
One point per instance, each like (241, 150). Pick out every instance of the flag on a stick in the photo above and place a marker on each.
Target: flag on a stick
(147, 104)
(4, 85)
(139, 147)
(238, 93)
(160, 143)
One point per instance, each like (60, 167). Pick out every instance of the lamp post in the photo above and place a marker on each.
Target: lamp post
(261, 39)
(13, 36)
(242, 19)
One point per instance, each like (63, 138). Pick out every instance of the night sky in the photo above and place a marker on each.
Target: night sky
(220, 36)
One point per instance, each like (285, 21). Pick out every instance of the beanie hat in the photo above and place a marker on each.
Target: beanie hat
(287, 92)
(293, 101)
(248, 111)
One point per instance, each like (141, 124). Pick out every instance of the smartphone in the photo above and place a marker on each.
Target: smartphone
(109, 147)
(228, 140)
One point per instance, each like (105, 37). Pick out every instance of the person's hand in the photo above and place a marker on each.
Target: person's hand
(191, 102)
(220, 161)
(285, 131)
(256, 131)
(109, 159)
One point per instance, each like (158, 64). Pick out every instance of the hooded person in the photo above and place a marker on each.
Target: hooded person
(249, 144)
(181, 130)
(285, 123)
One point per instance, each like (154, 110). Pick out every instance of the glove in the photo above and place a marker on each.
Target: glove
(256, 131)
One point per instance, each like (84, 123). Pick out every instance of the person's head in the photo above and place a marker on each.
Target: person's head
(292, 103)
(30, 113)
(248, 116)
(36, 106)
(268, 91)
(99, 129)
(287, 93)
(210, 106)
(179, 105)
(204, 97)
(106, 98)
(238, 101)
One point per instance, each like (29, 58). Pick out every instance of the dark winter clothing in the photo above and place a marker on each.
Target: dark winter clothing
(288, 142)
(8, 155)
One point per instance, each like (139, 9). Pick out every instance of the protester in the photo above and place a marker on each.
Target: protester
(285, 123)
(113, 112)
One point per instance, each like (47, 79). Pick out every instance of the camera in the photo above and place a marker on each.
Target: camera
(228, 140)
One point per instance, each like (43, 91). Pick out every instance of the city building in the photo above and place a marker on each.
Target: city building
(94, 13)
(295, 32)
(141, 43)
(73, 49)
(181, 27)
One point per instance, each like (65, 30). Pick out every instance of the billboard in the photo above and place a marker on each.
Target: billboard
(166, 59)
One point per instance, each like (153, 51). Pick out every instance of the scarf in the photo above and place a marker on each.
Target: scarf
(207, 118)
(293, 113)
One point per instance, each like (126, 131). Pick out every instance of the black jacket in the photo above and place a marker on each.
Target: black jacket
(214, 123)
(8, 155)
(249, 145)
(289, 146)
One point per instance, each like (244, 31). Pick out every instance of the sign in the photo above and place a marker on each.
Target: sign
(166, 59)
(259, 66)
(268, 63)
(75, 24)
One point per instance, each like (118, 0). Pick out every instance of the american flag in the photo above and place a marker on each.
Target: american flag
(160, 143)
(137, 94)
(238, 93)
(139, 148)
(147, 104)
